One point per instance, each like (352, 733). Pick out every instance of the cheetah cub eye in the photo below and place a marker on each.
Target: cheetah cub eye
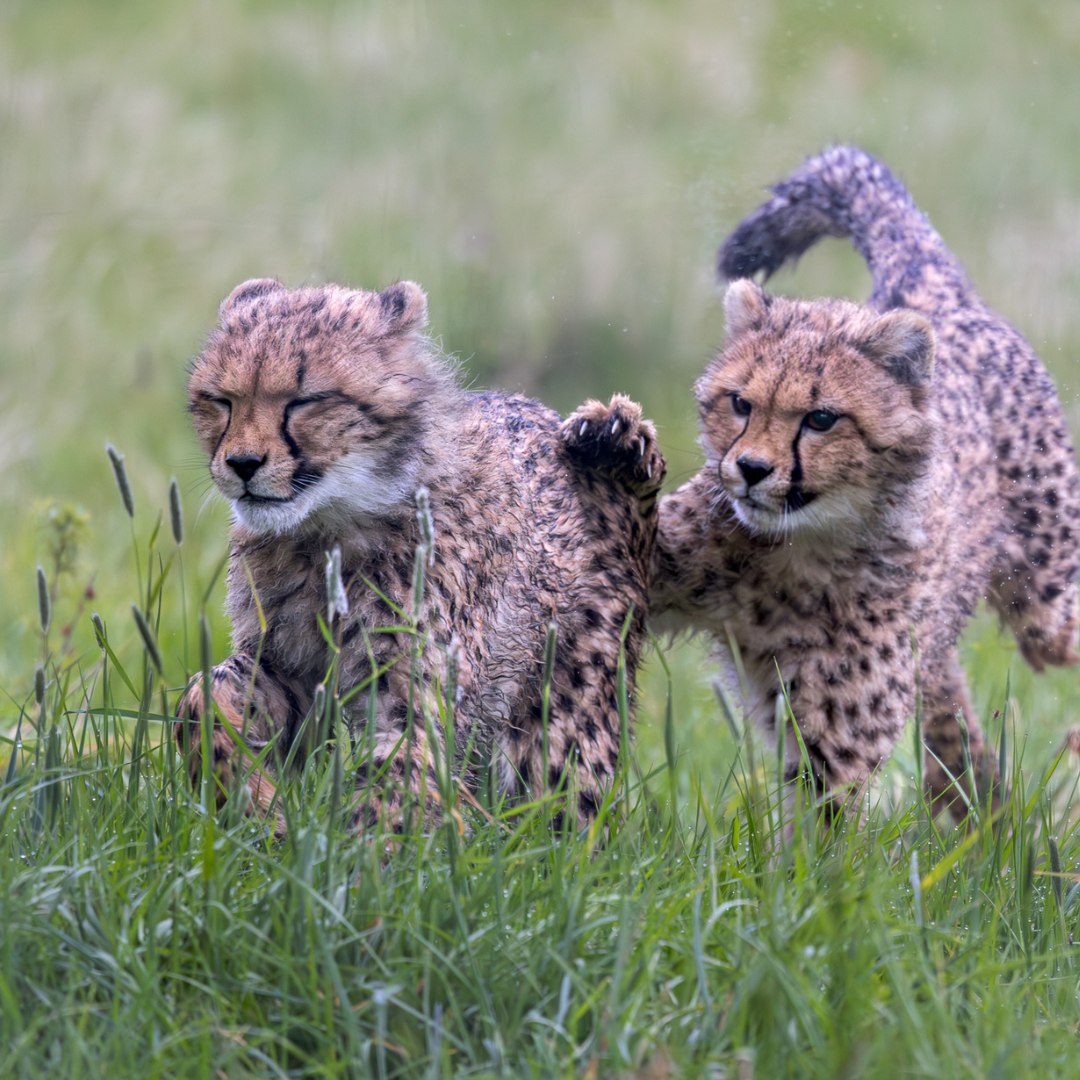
(740, 406)
(820, 420)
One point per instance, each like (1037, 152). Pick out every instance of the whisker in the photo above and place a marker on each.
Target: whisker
(205, 503)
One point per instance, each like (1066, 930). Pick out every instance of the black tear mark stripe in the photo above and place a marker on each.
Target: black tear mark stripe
(796, 471)
(735, 441)
(796, 497)
(290, 442)
(224, 432)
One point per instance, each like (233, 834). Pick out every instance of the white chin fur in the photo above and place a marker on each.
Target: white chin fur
(828, 515)
(358, 487)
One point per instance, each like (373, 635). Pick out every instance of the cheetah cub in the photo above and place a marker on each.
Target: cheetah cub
(323, 411)
(872, 473)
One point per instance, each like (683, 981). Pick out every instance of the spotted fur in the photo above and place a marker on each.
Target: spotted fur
(322, 412)
(872, 473)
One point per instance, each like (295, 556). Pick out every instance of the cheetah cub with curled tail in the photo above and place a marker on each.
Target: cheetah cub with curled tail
(323, 411)
(872, 473)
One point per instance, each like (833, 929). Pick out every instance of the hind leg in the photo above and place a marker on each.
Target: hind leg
(1035, 573)
(1038, 603)
(944, 695)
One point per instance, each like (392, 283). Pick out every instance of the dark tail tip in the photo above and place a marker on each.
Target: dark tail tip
(818, 199)
(779, 230)
(745, 252)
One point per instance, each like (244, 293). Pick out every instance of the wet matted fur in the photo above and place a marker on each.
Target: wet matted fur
(323, 411)
(872, 473)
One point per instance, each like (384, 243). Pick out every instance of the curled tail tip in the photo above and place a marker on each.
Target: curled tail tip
(813, 201)
(780, 230)
(741, 255)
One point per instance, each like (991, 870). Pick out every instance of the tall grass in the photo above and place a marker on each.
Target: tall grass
(695, 928)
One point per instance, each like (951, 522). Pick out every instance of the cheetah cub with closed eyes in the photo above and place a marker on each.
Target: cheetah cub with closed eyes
(872, 473)
(322, 412)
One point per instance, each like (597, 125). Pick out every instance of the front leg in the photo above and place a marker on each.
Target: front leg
(850, 707)
(257, 710)
(945, 697)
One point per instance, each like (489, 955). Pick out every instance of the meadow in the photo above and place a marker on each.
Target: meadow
(558, 178)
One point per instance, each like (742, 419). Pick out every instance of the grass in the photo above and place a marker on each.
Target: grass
(686, 932)
(558, 177)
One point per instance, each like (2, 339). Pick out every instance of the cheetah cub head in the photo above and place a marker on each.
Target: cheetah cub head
(315, 405)
(816, 415)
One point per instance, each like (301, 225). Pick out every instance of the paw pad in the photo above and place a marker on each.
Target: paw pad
(614, 438)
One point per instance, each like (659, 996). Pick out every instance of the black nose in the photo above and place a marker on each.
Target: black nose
(244, 465)
(752, 470)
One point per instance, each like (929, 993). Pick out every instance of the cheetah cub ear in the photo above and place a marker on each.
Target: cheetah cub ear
(746, 307)
(402, 307)
(903, 344)
(247, 292)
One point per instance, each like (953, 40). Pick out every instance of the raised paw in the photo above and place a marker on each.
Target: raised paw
(614, 439)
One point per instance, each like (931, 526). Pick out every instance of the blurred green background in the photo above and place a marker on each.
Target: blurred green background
(556, 175)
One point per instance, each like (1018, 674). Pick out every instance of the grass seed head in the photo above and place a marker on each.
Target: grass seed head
(176, 511)
(453, 671)
(206, 659)
(337, 601)
(1055, 868)
(147, 635)
(99, 628)
(120, 472)
(39, 684)
(44, 605)
(318, 715)
(427, 524)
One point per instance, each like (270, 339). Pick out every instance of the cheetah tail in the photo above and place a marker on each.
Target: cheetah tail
(843, 192)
